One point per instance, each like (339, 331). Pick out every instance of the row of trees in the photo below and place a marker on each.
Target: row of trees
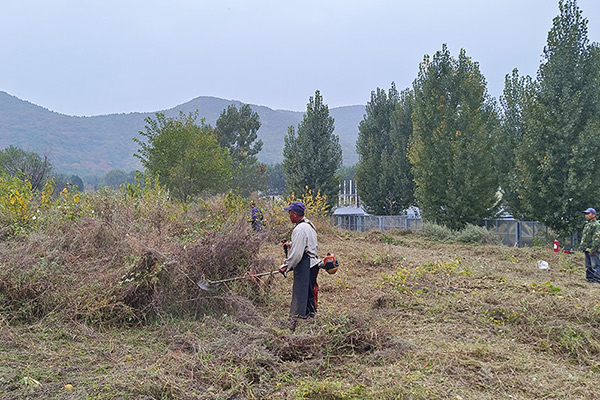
(443, 144)
(446, 142)
(192, 158)
(37, 169)
(553, 124)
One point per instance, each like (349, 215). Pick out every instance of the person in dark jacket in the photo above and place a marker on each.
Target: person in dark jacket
(256, 218)
(590, 245)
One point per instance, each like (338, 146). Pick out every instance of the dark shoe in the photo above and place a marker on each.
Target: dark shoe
(289, 323)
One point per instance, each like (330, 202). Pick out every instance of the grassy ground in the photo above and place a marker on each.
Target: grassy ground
(404, 318)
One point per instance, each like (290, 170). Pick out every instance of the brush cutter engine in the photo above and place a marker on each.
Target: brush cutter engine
(330, 263)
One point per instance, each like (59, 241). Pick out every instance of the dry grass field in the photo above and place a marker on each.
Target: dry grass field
(102, 309)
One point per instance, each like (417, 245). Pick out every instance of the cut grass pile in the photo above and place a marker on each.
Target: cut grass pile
(405, 317)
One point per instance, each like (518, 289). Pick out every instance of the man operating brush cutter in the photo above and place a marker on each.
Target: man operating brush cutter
(302, 260)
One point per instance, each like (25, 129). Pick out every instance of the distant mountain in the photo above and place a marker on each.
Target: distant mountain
(85, 145)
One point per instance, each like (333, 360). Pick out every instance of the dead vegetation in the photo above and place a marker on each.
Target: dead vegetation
(105, 306)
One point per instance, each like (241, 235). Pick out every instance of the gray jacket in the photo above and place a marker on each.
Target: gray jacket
(304, 240)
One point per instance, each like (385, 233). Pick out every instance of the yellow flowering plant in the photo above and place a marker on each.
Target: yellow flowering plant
(15, 198)
(316, 205)
(17, 210)
(46, 194)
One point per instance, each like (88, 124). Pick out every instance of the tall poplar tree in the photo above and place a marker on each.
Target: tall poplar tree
(516, 94)
(557, 161)
(313, 154)
(383, 174)
(397, 167)
(373, 141)
(453, 123)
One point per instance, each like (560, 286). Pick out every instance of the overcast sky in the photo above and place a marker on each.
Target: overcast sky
(82, 57)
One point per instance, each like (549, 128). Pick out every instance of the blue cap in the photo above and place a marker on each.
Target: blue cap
(590, 210)
(297, 207)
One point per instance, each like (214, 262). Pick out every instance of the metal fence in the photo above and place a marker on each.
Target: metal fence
(363, 223)
(511, 232)
(517, 233)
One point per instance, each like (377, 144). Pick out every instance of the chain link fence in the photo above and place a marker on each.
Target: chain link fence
(517, 233)
(363, 223)
(511, 232)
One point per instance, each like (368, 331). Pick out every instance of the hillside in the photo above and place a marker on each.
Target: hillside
(97, 144)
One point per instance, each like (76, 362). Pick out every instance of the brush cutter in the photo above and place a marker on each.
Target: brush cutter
(211, 286)
(329, 263)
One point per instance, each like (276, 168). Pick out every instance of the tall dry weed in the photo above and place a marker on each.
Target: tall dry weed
(124, 256)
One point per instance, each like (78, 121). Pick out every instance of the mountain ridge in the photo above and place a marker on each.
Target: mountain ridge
(97, 144)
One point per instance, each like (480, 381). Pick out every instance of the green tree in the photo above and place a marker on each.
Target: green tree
(557, 168)
(276, 182)
(313, 155)
(26, 164)
(372, 143)
(397, 167)
(516, 94)
(185, 156)
(383, 172)
(347, 172)
(237, 130)
(453, 124)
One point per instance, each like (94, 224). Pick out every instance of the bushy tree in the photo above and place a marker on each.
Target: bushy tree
(237, 130)
(313, 155)
(557, 161)
(185, 156)
(26, 164)
(453, 124)
(383, 174)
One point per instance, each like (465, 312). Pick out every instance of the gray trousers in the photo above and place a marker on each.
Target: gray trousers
(592, 267)
(304, 289)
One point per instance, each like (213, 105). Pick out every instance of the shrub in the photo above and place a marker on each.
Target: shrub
(437, 232)
(476, 234)
(469, 234)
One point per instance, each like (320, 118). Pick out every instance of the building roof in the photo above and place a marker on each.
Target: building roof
(350, 211)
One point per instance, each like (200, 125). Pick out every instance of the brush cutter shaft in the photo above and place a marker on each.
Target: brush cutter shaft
(211, 286)
(245, 276)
